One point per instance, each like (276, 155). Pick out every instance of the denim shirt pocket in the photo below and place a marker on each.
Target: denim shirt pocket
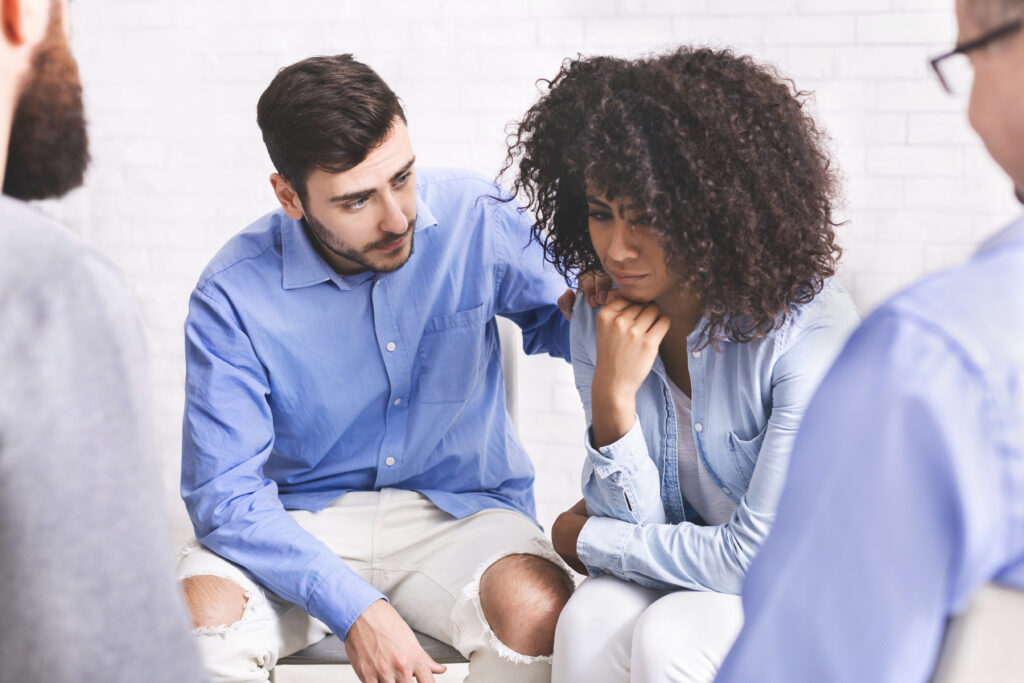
(452, 354)
(745, 453)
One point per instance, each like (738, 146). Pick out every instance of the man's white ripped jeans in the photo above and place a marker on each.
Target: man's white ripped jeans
(425, 561)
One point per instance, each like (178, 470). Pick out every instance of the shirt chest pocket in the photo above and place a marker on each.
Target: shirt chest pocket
(745, 453)
(453, 355)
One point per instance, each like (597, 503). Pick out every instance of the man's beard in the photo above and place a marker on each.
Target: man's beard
(49, 148)
(322, 236)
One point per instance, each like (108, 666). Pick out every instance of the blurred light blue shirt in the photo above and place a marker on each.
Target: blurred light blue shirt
(303, 384)
(906, 491)
(747, 402)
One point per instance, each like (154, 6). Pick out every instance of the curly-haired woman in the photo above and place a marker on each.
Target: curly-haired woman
(698, 181)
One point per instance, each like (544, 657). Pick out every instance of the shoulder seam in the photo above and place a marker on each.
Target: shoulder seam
(203, 281)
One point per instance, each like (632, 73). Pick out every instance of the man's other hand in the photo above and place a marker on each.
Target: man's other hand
(383, 649)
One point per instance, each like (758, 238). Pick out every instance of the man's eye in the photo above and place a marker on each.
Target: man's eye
(403, 179)
(357, 204)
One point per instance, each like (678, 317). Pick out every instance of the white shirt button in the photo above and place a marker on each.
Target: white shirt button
(389, 461)
(698, 427)
(397, 402)
(696, 354)
(725, 490)
(390, 346)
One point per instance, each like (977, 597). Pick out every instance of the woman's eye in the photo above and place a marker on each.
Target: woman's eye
(599, 215)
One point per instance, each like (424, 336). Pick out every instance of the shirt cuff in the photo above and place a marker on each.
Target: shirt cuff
(613, 456)
(340, 599)
(601, 545)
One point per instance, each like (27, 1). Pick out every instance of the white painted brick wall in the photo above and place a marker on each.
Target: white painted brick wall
(179, 165)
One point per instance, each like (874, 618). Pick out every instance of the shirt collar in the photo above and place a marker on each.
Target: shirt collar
(1011, 233)
(304, 267)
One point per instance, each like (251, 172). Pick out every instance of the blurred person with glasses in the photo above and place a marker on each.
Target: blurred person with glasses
(920, 501)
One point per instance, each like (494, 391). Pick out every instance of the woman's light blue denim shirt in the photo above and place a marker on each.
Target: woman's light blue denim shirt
(747, 401)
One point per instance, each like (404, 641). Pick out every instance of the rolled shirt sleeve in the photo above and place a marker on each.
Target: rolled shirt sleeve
(621, 481)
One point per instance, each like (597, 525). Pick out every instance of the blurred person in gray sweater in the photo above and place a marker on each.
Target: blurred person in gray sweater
(86, 587)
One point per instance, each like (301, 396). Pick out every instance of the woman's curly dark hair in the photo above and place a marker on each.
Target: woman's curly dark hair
(716, 152)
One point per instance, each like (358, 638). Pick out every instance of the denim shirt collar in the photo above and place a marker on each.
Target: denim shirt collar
(303, 267)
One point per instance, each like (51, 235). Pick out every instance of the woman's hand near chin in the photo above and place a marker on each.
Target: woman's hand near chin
(628, 337)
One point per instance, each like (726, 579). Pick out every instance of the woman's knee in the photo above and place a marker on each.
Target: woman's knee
(603, 605)
(593, 637)
(685, 636)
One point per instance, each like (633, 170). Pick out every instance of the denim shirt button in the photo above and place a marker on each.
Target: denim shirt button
(696, 354)
(725, 490)
(698, 427)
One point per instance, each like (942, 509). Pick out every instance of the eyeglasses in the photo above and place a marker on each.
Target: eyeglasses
(954, 69)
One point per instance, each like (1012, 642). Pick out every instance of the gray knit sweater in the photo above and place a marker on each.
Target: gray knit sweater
(86, 585)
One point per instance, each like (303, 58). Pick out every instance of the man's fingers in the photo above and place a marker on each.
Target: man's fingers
(424, 673)
(587, 286)
(565, 303)
(595, 287)
(603, 285)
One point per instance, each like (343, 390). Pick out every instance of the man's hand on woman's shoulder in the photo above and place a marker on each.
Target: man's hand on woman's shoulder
(593, 285)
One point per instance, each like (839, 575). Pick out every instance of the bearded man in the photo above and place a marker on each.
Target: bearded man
(85, 572)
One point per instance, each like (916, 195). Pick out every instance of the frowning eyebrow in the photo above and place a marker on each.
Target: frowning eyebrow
(366, 194)
(605, 205)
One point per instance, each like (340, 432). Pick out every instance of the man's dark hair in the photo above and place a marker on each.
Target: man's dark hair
(324, 113)
(721, 159)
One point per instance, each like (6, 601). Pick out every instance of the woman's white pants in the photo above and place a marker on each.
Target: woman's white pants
(614, 631)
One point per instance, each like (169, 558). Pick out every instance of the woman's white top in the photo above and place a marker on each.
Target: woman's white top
(695, 483)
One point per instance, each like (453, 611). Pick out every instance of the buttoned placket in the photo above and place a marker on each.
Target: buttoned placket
(398, 360)
(698, 378)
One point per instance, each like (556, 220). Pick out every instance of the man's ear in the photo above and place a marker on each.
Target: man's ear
(24, 21)
(287, 195)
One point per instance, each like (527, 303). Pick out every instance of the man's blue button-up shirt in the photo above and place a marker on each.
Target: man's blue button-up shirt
(303, 384)
(906, 490)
